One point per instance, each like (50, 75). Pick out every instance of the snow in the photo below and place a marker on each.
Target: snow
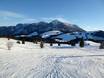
(66, 37)
(29, 61)
(33, 34)
(70, 36)
(51, 33)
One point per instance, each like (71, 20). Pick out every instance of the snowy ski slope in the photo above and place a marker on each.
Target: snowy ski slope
(29, 61)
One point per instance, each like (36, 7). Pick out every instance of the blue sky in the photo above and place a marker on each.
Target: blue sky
(88, 14)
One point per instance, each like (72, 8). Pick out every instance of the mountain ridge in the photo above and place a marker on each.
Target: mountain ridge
(40, 27)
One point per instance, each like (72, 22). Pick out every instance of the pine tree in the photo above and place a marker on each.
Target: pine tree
(58, 44)
(41, 44)
(23, 41)
(51, 44)
(72, 43)
(81, 44)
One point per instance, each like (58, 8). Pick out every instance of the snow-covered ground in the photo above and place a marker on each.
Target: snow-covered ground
(30, 61)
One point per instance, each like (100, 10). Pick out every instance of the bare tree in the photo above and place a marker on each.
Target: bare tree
(9, 45)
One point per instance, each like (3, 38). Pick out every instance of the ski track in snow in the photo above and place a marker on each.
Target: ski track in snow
(68, 67)
(58, 67)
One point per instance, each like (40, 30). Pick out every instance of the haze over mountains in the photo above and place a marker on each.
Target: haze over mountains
(40, 27)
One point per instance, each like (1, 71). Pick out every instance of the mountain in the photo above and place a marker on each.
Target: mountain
(40, 27)
(96, 36)
(99, 33)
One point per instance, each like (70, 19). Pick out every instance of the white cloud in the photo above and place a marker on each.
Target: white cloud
(10, 14)
(11, 18)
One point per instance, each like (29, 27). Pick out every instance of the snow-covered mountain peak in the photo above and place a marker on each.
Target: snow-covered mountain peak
(55, 22)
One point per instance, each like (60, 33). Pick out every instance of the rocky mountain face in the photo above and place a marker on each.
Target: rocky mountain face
(40, 27)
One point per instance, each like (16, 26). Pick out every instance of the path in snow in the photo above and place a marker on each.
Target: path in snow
(54, 67)
(67, 67)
